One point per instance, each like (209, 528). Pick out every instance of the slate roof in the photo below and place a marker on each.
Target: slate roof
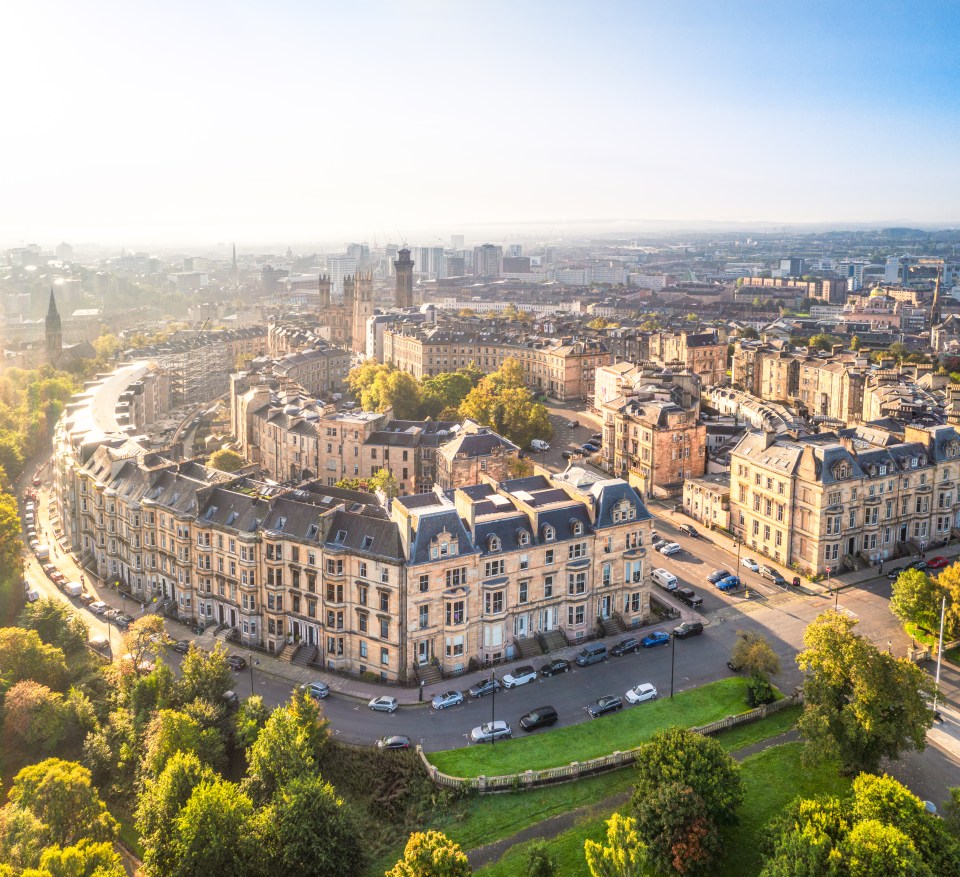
(431, 525)
(608, 494)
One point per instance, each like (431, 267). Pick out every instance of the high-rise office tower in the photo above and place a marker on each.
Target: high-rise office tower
(404, 270)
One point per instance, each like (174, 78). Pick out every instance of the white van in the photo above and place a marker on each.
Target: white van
(666, 580)
(539, 445)
(73, 589)
(42, 552)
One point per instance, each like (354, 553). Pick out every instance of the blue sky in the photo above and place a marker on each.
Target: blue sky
(261, 122)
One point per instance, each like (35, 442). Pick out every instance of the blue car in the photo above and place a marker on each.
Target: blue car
(730, 583)
(657, 638)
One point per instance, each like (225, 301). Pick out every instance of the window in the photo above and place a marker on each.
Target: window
(455, 612)
(494, 543)
(362, 570)
(385, 657)
(524, 538)
(456, 577)
(335, 566)
(523, 592)
(385, 576)
(576, 550)
(384, 628)
(549, 534)
(362, 621)
(494, 568)
(493, 602)
(576, 582)
(361, 594)
(577, 528)
(548, 556)
(575, 615)
(547, 586)
(424, 616)
(424, 583)
(607, 569)
(384, 602)
(524, 561)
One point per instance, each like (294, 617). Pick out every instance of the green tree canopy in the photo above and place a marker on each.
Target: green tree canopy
(55, 623)
(171, 731)
(623, 855)
(289, 746)
(915, 597)
(753, 654)
(35, 716)
(860, 705)
(23, 655)
(444, 391)
(85, 859)
(204, 675)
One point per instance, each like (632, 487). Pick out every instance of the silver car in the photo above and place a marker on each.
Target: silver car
(384, 704)
(520, 676)
(490, 731)
(448, 698)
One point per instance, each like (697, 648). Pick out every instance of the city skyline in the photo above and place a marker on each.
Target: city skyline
(394, 122)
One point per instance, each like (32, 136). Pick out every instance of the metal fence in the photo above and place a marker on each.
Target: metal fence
(532, 778)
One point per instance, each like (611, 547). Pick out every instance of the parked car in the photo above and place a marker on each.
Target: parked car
(895, 572)
(657, 638)
(448, 698)
(395, 741)
(630, 644)
(670, 548)
(597, 438)
(569, 455)
(237, 663)
(644, 691)
(99, 643)
(487, 686)
(86, 598)
(609, 703)
(938, 562)
(688, 628)
(98, 607)
(489, 731)
(918, 564)
(181, 646)
(519, 676)
(560, 665)
(588, 448)
(33, 596)
(539, 445)
(688, 596)
(541, 717)
(689, 531)
(318, 690)
(730, 583)
(58, 578)
(750, 564)
(718, 574)
(573, 424)
(733, 667)
(48, 570)
(592, 653)
(231, 699)
(123, 620)
(664, 579)
(768, 572)
(384, 704)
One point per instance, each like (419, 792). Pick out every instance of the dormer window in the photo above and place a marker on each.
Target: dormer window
(494, 543)
(523, 538)
(549, 534)
(841, 470)
(577, 528)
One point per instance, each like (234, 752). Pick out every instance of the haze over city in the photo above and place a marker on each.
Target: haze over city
(296, 121)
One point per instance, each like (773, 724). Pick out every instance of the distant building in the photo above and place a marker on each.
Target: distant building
(404, 272)
(488, 260)
(65, 252)
(339, 268)
(53, 332)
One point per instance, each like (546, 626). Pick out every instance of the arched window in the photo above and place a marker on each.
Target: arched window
(549, 534)
(577, 528)
(494, 543)
(523, 537)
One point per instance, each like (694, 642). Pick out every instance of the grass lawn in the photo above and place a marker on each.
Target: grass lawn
(480, 820)
(953, 655)
(772, 779)
(620, 731)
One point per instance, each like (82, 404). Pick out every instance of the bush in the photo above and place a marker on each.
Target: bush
(759, 691)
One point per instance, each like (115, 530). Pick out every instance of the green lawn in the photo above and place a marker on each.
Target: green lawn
(772, 779)
(620, 731)
(952, 655)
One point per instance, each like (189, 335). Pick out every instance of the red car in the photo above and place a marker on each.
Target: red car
(937, 562)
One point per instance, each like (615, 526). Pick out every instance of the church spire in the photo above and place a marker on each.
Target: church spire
(53, 333)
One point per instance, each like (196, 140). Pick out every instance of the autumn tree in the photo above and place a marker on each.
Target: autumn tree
(753, 654)
(915, 597)
(23, 655)
(144, 640)
(948, 584)
(226, 460)
(861, 705)
(10, 543)
(623, 855)
(35, 716)
(87, 857)
(431, 854)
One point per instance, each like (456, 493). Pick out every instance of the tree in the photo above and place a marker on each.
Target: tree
(860, 705)
(55, 623)
(23, 655)
(361, 378)
(431, 854)
(682, 837)
(898, 350)
(23, 838)
(951, 812)
(380, 386)
(215, 833)
(624, 855)
(204, 675)
(948, 581)
(251, 717)
(915, 598)
(753, 654)
(384, 480)
(61, 795)
(85, 859)
(540, 862)
(311, 831)
(700, 763)
(443, 391)
(855, 343)
(10, 544)
(289, 746)
(146, 638)
(748, 332)
(226, 460)
(172, 731)
(801, 841)
(873, 849)
(35, 715)
(160, 802)
(822, 341)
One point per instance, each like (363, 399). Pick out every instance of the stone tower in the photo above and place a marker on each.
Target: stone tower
(53, 334)
(324, 288)
(349, 294)
(362, 309)
(404, 269)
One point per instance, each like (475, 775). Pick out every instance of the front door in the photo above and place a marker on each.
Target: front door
(852, 546)
(520, 626)
(233, 617)
(220, 612)
(605, 606)
(423, 652)
(550, 618)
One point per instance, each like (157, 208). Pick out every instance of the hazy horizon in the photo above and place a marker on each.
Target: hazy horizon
(300, 122)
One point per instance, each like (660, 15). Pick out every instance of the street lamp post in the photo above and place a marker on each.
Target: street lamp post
(936, 689)
(673, 654)
(252, 662)
(493, 705)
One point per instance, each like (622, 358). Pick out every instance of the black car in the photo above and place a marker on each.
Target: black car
(396, 741)
(688, 596)
(123, 620)
(487, 686)
(231, 699)
(630, 644)
(918, 564)
(182, 646)
(895, 572)
(689, 531)
(733, 667)
(688, 628)
(597, 438)
(541, 717)
(236, 663)
(717, 575)
(609, 703)
(560, 665)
